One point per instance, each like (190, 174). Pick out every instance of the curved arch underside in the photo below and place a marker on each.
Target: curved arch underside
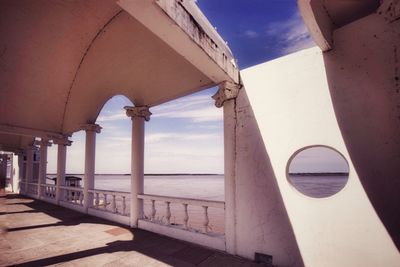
(60, 61)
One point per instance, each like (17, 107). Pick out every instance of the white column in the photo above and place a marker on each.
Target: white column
(226, 97)
(138, 116)
(43, 165)
(22, 170)
(29, 167)
(90, 156)
(61, 165)
(17, 161)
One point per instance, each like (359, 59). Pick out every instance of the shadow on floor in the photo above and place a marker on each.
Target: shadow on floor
(154, 247)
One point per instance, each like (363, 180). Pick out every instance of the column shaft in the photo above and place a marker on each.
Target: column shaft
(17, 164)
(230, 177)
(137, 169)
(42, 167)
(29, 168)
(61, 163)
(90, 156)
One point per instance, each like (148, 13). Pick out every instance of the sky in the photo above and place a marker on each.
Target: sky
(318, 159)
(186, 135)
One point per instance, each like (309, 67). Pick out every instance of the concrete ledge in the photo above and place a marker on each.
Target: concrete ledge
(72, 206)
(207, 240)
(49, 200)
(109, 216)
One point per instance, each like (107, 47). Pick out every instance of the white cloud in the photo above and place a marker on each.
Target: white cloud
(250, 34)
(183, 147)
(292, 34)
(112, 117)
(198, 108)
(159, 137)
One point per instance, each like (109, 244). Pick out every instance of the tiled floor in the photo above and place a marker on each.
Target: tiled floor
(41, 234)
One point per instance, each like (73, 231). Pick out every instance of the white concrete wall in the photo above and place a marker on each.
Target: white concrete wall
(262, 223)
(292, 107)
(363, 73)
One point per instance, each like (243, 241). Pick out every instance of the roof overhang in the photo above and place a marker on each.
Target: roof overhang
(62, 60)
(322, 17)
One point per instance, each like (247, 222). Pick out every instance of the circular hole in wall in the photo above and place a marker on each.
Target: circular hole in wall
(318, 171)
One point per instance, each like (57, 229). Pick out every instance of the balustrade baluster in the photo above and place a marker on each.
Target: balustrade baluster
(80, 198)
(186, 216)
(96, 201)
(168, 213)
(206, 220)
(153, 210)
(105, 201)
(114, 204)
(123, 206)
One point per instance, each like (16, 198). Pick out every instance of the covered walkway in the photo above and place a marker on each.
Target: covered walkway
(40, 234)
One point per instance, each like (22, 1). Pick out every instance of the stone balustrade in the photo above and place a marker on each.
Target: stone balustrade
(49, 190)
(185, 202)
(72, 195)
(182, 218)
(111, 201)
(32, 189)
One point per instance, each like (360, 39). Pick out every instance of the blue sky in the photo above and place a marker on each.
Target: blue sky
(186, 135)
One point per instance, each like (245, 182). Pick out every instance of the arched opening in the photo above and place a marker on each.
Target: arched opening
(184, 157)
(113, 146)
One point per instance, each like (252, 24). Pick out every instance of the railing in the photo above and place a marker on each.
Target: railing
(32, 189)
(22, 186)
(49, 190)
(72, 195)
(111, 201)
(182, 218)
(185, 202)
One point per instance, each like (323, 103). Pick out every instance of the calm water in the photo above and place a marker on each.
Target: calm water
(319, 186)
(210, 187)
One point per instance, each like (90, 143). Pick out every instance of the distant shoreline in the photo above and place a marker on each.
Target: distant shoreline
(319, 174)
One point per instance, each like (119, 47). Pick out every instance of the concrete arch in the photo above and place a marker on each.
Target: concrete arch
(60, 61)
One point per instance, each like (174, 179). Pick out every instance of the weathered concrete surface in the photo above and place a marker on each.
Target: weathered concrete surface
(322, 17)
(42, 234)
(363, 73)
(292, 106)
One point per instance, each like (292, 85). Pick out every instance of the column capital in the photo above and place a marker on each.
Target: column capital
(44, 142)
(91, 128)
(143, 112)
(64, 141)
(227, 90)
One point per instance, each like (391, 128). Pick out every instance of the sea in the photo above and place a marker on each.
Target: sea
(197, 186)
(319, 186)
(207, 187)
(211, 187)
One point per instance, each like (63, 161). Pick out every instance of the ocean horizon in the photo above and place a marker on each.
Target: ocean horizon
(200, 186)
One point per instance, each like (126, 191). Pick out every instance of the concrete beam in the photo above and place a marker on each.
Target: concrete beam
(22, 131)
(318, 22)
(185, 29)
(15, 150)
